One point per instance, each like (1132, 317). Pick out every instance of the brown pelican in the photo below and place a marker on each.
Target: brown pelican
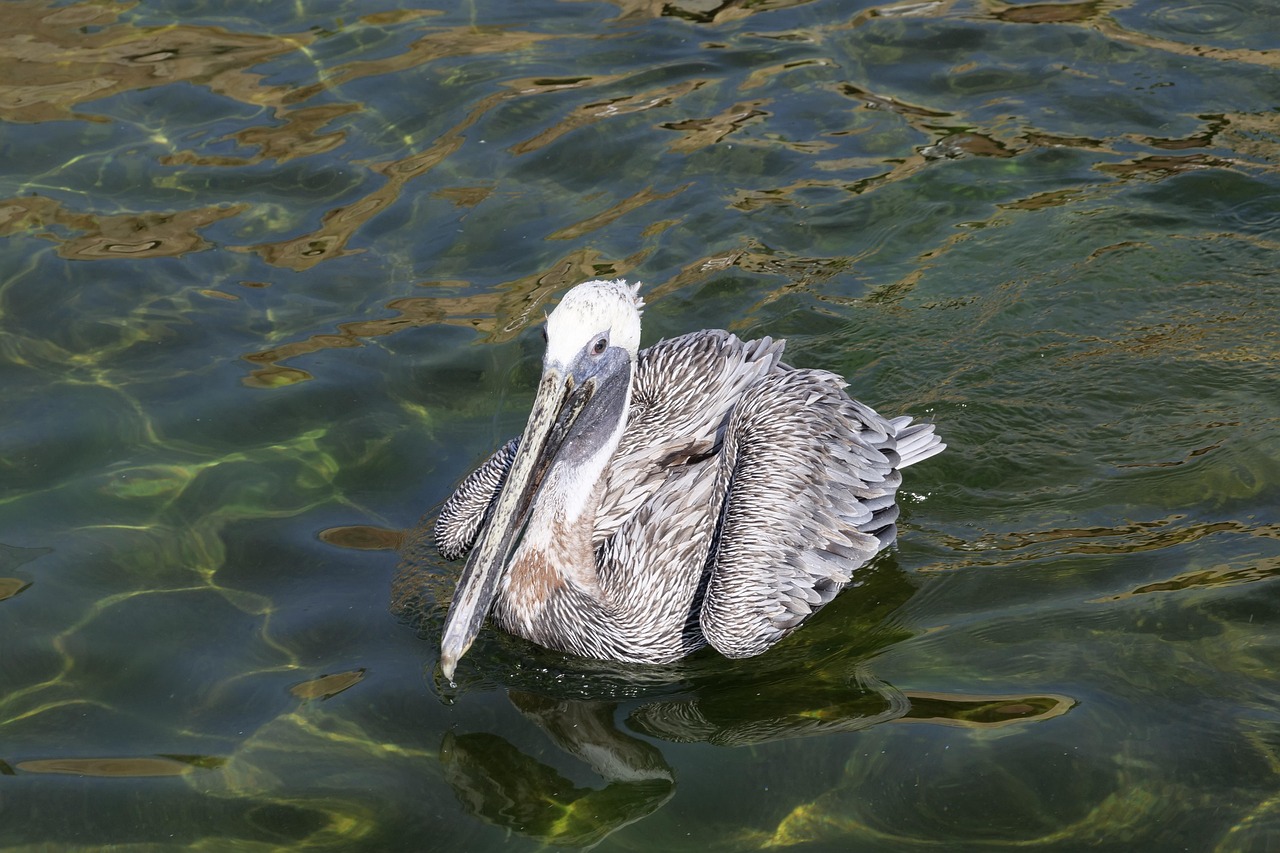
(697, 492)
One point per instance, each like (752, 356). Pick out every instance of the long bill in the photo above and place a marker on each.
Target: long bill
(555, 408)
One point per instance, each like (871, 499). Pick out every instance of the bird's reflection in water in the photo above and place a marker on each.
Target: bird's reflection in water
(599, 713)
(499, 784)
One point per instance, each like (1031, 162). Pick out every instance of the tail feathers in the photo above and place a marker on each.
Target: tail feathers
(916, 442)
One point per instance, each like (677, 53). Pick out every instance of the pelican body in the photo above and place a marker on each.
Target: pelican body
(698, 492)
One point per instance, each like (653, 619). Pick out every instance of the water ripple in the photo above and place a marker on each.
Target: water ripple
(1257, 214)
(1199, 19)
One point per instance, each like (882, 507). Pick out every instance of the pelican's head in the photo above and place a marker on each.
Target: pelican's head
(591, 312)
(578, 416)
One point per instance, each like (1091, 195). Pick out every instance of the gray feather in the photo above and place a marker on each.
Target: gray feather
(464, 512)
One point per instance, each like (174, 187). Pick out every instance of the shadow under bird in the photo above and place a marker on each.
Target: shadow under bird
(697, 492)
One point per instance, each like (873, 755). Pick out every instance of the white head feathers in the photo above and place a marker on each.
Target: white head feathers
(611, 308)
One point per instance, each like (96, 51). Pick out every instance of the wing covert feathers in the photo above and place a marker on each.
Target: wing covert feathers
(683, 392)
(466, 509)
(809, 478)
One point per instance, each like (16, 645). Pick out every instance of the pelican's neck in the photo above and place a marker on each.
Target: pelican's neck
(556, 548)
(563, 520)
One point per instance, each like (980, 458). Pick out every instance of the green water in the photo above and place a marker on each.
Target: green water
(269, 286)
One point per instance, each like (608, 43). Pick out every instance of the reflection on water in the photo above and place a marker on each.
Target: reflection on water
(148, 235)
(267, 288)
(505, 787)
(498, 783)
(163, 766)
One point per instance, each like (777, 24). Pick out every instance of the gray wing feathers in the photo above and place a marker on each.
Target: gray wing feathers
(809, 478)
(683, 392)
(916, 442)
(465, 510)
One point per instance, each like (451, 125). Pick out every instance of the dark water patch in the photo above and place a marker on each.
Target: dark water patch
(1240, 201)
(329, 685)
(33, 462)
(9, 587)
(1051, 13)
(116, 768)
(185, 816)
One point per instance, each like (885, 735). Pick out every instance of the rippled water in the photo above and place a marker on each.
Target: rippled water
(270, 284)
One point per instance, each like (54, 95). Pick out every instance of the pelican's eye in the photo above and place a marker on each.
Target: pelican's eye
(601, 344)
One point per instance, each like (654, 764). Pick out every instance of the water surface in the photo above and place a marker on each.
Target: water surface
(270, 285)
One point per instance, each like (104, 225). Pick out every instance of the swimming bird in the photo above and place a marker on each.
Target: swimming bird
(697, 492)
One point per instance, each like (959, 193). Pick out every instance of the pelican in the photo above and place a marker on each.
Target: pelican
(698, 492)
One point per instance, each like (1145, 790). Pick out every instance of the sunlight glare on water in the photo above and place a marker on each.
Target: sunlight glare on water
(270, 284)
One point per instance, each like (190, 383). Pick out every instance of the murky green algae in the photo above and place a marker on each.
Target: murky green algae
(266, 287)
